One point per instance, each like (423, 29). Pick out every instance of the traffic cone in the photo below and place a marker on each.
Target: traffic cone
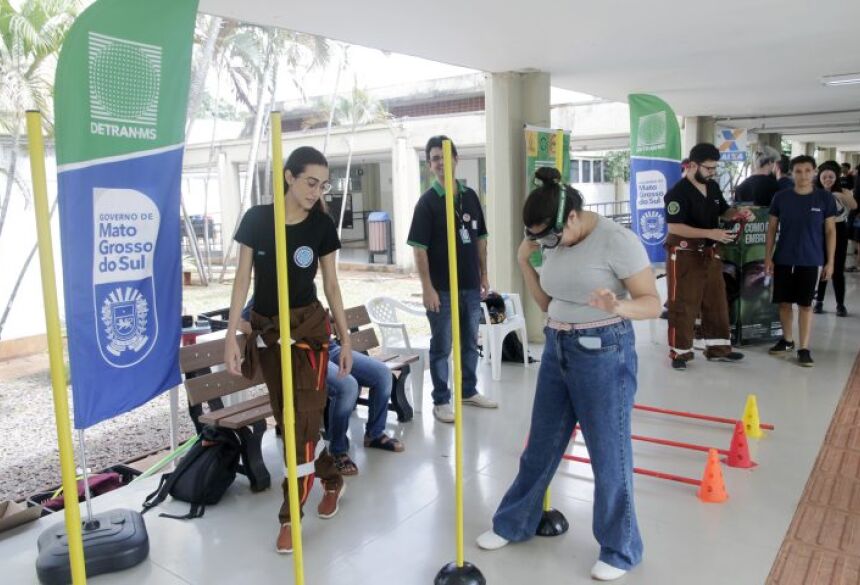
(752, 424)
(713, 488)
(739, 450)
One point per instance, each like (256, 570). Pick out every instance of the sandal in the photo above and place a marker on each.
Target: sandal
(345, 465)
(385, 443)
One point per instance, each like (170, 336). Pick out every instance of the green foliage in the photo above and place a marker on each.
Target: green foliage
(618, 165)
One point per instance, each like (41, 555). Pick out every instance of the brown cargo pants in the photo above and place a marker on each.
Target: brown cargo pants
(694, 274)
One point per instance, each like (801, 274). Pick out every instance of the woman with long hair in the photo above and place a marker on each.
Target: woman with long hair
(828, 179)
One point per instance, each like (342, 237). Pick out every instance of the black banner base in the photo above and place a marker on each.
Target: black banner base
(552, 523)
(451, 574)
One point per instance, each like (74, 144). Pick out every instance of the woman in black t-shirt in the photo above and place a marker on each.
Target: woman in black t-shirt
(311, 242)
(828, 179)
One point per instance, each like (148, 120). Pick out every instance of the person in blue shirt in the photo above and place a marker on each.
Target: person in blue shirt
(805, 217)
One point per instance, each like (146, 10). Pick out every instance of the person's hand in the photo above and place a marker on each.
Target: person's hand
(721, 236)
(604, 299)
(345, 361)
(485, 286)
(827, 271)
(527, 247)
(768, 267)
(431, 300)
(232, 355)
(244, 327)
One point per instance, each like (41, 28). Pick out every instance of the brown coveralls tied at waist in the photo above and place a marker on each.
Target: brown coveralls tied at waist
(309, 326)
(694, 274)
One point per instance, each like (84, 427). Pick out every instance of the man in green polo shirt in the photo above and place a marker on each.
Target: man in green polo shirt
(429, 240)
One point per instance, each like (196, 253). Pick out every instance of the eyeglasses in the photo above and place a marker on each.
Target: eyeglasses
(314, 183)
(437, 158)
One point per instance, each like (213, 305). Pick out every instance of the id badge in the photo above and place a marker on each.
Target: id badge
(464, 235)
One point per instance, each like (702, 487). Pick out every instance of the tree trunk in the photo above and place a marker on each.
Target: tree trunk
(22, 274)
(198, 84)
(10, 177)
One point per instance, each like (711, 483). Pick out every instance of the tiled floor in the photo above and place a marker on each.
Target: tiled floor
(397, 518)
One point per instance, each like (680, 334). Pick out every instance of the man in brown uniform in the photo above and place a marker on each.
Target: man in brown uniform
(694, 270)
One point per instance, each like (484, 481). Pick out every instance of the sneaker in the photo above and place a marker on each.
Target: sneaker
(480, 401)
(329, 504)
(818, 308)
(284, 544)
(443, 413)
(781, 346)
(491, 541)
(732, 356)
(603, 572)
(679, 364)
(841, 311)
(804, 358)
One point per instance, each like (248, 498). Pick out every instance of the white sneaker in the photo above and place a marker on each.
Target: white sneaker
(481, 401)
(491, 541)
(603, 572)
(443, 413)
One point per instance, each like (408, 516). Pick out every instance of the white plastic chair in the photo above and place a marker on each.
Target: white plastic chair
(383, 314)
(493, 335)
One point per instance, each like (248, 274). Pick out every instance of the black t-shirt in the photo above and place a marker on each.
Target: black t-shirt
(429, 231)
(757, 190)
(307, 242)
(784, 182)
(686, 204)
(847, 182)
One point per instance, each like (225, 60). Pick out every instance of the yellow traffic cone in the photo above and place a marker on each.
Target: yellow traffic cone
(752, 424)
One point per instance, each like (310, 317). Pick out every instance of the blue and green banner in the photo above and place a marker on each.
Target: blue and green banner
(120, 106)
(655, 166)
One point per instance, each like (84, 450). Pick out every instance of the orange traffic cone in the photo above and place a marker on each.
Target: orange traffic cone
(713, 488)
(739, 451)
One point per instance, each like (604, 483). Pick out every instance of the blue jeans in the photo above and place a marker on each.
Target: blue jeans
(594, 387)
(343, 392)
(440, 343)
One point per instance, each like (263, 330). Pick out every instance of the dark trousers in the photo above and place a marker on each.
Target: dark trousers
(696, 287)
(838, 266)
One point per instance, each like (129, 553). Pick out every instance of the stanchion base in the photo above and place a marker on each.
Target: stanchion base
(451, 574)
(552, 523)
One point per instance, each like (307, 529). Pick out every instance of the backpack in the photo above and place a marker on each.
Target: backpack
(495, 307)
(203, 474)
(512, 349)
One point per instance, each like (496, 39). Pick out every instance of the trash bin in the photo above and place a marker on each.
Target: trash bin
(379, 235)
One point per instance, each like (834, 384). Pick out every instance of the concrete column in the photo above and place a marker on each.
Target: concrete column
(772, 139)
(512, 101)
(406, 189)
(696, 129)
(228, 181)
(798, 148)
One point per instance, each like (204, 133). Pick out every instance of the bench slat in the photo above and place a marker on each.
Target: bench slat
(356, 317)
(243, 419)
(215, 416)
(205, 355)
(211, 386)
(364, 340)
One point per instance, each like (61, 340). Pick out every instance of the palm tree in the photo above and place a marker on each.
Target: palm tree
(30, 39)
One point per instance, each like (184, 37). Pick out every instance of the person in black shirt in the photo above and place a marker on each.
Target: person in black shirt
(846, 179)
(429, 240)
(311, 243)
(782, 174)
(759, 188)
(694, 271)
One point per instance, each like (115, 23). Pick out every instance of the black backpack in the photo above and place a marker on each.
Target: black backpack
(512, 349)
(495, 307)
(203, 474)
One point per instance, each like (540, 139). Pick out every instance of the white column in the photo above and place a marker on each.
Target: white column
(406, 189)
(512, 101)
(228, 186)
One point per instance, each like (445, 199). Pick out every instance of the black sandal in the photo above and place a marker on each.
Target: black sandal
(345, 465)
(385, 443)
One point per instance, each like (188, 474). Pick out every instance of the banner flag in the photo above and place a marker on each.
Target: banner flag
(120, 106)
(655, 166)
(540, 152)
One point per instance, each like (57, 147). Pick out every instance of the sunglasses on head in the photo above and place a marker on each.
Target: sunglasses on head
(550, 237)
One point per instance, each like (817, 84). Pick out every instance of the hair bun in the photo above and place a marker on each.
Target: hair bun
(548, 175)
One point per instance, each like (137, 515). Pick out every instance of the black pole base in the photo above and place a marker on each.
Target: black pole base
(552, 523)
(451, 574)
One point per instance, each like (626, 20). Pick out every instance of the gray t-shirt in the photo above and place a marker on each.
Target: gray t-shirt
(609, 254)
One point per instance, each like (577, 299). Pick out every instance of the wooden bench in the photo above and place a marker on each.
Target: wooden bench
(247, 418)
(364, 341)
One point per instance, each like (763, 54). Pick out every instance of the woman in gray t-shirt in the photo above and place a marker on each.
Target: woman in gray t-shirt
(595, 278)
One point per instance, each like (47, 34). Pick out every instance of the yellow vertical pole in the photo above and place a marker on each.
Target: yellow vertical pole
(559, 164)
(450, 193)
(289, 415)
(55, 348)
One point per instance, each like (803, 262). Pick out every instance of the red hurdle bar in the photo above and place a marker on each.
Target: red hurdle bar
(707, 417)
(642, 471)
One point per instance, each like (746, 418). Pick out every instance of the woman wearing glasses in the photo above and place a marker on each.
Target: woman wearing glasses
(596, 277)
(311, 242)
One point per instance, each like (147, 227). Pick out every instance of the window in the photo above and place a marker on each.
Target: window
(597, 171)
(586, 171)
(574, 170)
